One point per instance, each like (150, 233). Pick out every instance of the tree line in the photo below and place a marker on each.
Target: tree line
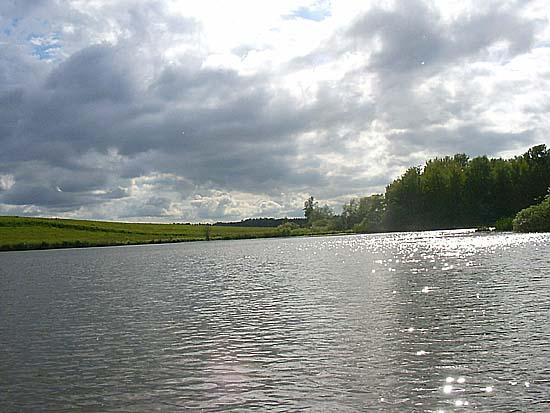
(447, 192)
(263, 222)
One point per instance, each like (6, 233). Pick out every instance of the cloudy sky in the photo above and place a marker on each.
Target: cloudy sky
(207, 110)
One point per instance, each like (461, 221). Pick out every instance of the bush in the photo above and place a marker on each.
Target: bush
(286, 229)
(504, 224)
(536, 218)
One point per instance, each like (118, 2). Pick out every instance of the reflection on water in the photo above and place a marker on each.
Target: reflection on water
(435, 321)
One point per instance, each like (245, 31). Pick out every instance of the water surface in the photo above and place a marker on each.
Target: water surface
(433, 321)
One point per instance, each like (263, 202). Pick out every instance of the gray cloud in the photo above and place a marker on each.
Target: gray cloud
(413, 36)
(108, 127)
(451, 141)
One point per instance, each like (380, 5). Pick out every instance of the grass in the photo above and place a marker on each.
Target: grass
(22, 233)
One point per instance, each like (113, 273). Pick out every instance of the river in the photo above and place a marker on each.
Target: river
(437, 321)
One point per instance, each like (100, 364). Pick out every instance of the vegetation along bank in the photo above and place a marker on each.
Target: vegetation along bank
(445, 193)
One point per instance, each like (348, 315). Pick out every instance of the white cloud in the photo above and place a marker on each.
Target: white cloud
(6, 182)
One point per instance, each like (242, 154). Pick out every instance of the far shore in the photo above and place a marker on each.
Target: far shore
(24, 233)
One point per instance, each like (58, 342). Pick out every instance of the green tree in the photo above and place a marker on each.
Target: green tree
(371, 213)
(455, 200)
(323, 217)
(435, 193)
(364, 214)
(319, 216)
(309, 206)
(477, 187)
(404, 202)
(538, 163)
(503, 189)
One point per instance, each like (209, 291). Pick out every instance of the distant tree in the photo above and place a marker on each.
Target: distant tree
(262, 222)
(309, 208)
(323, 217)
(372, 210)
(461, 159)
(364, 214)
(319, 216)
(350, 214)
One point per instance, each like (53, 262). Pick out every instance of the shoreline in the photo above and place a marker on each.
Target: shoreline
(31, 233)
(82, 245)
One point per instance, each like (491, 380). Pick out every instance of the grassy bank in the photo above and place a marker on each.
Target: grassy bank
(19, 233)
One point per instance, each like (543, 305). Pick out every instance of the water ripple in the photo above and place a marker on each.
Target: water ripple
(435, 321)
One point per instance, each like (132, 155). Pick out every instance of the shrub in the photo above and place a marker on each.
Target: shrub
(504, 224)
(536, 218)
(286, 229)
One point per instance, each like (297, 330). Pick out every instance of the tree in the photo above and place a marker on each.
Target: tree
(364, 214)
(478, 186)
(322, 217)
(503, 190)
(449, 192)
(538, 163)
(404, 208)
(435, 193)
(371, 209)
(309, 207)
(286, 228)
(350, 214)
(318, 216)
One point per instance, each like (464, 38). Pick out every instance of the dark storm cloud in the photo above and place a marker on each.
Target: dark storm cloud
(216, 127)
(409, 35)
(47, 185)
(96, 74)
(64, 115)
(55, 197)
(414, 37)
(470, 139)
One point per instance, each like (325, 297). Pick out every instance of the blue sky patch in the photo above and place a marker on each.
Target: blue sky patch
(8, 30)
(318, 13)
(45, 47)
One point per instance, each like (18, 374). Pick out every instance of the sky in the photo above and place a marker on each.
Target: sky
(204, 111)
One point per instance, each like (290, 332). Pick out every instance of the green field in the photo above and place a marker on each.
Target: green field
(20, 233)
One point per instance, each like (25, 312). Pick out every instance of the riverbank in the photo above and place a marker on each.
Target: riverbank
(22, 233)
